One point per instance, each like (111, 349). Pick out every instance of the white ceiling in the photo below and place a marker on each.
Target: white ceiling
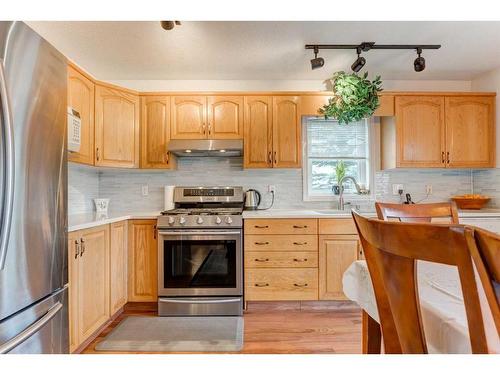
(270, 50)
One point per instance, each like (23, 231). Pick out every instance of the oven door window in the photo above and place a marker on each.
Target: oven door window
(199, 264)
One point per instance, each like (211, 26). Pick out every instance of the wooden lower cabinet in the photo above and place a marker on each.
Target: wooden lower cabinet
(281, 284)
(142, 261)
(118, 266)
(89, 282)
(336, 254)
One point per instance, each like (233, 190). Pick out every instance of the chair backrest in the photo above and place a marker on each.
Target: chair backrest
(391, 251)
(484, 247)
(445, 212)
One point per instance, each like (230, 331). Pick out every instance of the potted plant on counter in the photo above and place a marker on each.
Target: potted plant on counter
(340, 170)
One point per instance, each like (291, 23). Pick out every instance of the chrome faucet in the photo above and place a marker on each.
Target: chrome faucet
(359, 190)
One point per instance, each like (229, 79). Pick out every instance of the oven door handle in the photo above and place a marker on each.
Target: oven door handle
(175, 300)
(191, 233)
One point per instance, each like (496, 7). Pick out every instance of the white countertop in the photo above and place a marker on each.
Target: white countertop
(89, 220)
(93, 219)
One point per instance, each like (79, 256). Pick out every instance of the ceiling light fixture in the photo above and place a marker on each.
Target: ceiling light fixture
(317, 62)
(359, 63)
(419, 62)
(169, 25)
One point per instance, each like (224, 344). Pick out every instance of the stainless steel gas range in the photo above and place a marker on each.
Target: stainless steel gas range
(200, 253)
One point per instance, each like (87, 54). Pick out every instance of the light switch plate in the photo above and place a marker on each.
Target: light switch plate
(396, 188)
(145, 190)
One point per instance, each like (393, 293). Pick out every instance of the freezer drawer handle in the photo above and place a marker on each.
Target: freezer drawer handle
(6, 215)
(31, 330)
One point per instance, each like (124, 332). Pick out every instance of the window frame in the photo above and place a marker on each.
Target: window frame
(371, 160)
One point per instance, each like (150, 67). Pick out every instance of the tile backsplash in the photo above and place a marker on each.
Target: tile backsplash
(124, 187)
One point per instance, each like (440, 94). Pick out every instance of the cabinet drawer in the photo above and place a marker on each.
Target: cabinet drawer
(280, 259)
(337, 226)
(281, 284)
(281, 226)
(275, 242)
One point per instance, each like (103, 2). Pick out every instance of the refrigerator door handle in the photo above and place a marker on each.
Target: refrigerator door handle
(31, 330)
(6, 215)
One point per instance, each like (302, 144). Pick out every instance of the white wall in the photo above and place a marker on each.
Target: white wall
(281, 85)
(490, 81)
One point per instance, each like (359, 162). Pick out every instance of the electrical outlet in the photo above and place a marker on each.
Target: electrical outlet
(396, 188)
(145, 190)
(271, 188)
(428, 189)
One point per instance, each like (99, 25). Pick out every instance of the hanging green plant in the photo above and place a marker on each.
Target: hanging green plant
(354, 97)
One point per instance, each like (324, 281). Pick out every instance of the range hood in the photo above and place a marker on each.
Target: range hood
(206, 147)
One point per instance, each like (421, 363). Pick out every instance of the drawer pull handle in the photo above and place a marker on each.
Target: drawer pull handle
(300, 243)
(261, 226)
(261, 243)
(300, 285)
(300, 226)
(261, 285)
(300, 260)
(261, 260)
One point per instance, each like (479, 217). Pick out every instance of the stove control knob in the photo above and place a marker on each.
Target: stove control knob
(171, 220)
(228, 220)
(182, 220)
(218, 220)
(199, 220)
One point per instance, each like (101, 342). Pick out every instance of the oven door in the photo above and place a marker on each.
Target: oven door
(200, 263)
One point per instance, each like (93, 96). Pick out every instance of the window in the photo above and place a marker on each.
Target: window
(328, 143)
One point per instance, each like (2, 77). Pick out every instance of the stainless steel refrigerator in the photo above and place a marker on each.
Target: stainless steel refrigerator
(33, 194)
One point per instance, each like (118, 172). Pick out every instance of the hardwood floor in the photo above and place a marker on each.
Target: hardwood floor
(282, 327)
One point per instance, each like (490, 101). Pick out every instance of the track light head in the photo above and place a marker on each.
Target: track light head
(359, 63)
(169, 25)
(419, 63)
(317, 62)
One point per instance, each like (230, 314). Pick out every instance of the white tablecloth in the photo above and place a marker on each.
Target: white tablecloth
(443, 311)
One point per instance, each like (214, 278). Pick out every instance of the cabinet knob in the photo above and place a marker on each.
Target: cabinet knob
(300, 243)
(261, 285)
(77, 248)
(261, 260)
(261, 226)
(82, 247)
(261, 243)
(300, 285)
(300, 226)
(300, 260)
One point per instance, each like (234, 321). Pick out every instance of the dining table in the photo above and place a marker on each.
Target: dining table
(441, 304)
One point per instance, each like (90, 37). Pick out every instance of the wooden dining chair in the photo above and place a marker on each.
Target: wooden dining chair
(418, 213)
(391, 251)
(484, 247)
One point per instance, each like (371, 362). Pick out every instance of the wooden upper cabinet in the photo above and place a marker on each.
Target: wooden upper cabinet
(117, 128)
(420, 131)
(258, 132)
(189, 117)
(81, 99)
(142, 261)
(225, 117)
(287, 145)
(155, 132)
(470, 131)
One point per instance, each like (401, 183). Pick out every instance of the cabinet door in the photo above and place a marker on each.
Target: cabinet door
(225, 117)
(143, 260)
(117, 128)
(336, 254)
(81, 99)
(118, 266)
(470, 131)
(189, 117)
(73, 257)
(93, 280)
(258, 132)
(420, 131)
(286, 132)
(155, 132)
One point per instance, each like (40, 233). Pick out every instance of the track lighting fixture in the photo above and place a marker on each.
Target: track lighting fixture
(419, 62)
(317, 62)
(359, 63)
(169, 25)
